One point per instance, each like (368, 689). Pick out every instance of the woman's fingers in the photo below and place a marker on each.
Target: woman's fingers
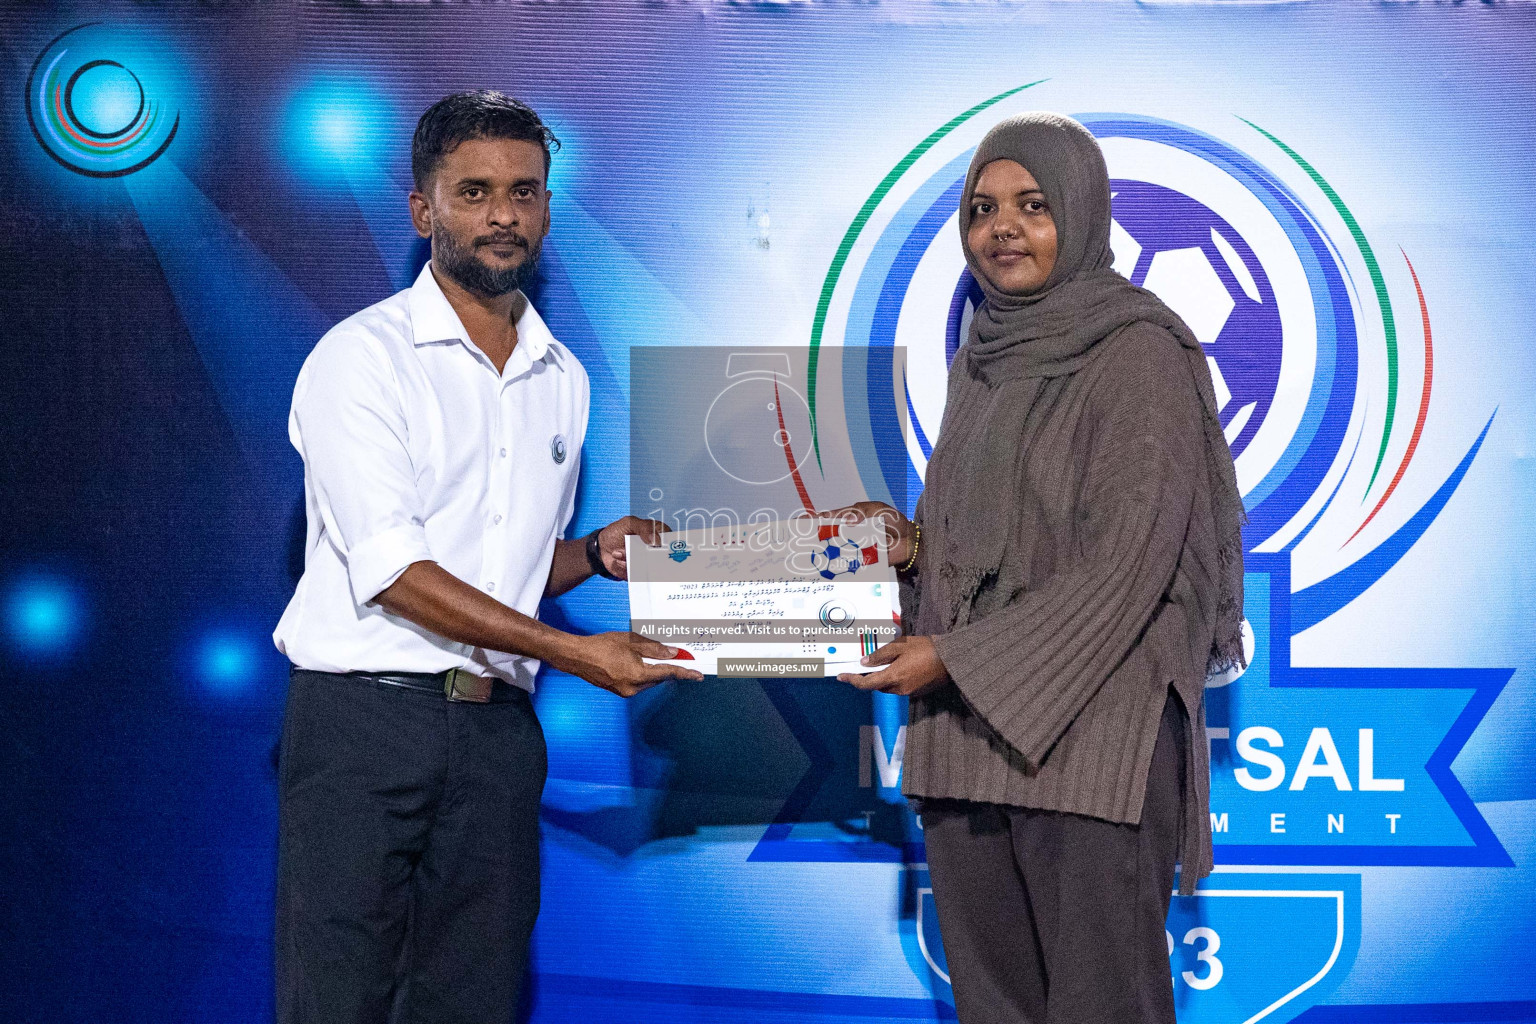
(885, 655)
(868, 680)
(887, 677)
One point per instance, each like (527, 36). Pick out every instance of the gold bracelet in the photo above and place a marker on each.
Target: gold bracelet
(917, 540)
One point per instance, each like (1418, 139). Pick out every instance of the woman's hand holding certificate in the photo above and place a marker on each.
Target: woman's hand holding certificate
(909, 666)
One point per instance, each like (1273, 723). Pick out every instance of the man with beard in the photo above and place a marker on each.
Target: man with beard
(441, 432)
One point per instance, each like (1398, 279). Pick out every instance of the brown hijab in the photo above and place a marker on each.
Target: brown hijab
(1017, 342)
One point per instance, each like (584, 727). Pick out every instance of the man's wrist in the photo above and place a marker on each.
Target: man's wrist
(594, 550)
(559, 650)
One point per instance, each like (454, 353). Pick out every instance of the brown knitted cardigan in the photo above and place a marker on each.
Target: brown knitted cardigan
(1058, 692)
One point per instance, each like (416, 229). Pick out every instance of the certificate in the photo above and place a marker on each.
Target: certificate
(788, 598)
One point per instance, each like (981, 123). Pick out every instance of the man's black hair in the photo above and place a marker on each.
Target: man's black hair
(478, 114)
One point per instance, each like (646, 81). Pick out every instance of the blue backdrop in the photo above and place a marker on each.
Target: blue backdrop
(1336, 197)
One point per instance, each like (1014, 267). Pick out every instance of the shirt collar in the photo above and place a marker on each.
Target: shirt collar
(532, 332)
(434, 320)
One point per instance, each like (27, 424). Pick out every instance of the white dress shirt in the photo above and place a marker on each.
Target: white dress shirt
(416, 449)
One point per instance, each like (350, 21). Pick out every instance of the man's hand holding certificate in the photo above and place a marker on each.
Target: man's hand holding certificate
(803, 597)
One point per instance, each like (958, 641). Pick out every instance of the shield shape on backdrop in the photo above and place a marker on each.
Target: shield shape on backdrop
(1261, 947)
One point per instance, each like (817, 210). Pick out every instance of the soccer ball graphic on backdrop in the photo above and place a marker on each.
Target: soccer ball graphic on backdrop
(1202, 268)
(838, 557)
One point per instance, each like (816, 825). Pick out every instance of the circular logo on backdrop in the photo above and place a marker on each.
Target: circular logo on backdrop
(1218, 237)
(92, 110)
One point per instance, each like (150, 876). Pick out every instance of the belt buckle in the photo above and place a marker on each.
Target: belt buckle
(459, 685)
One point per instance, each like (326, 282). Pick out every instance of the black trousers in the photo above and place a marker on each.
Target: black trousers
(1051, 918)
(408, 854)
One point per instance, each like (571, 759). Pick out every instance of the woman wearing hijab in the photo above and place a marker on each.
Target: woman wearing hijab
(1073, 570)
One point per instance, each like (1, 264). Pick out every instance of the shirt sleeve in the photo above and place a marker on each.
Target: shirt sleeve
(349, 425)
(1030, 668)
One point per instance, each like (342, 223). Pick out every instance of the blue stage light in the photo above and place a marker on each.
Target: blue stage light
(43, 615)
(227, 661)
(106, 98)
(334, 125)
(108, 102)
(561, 714)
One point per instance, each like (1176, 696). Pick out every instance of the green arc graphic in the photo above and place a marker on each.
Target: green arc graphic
(1388, 323)
(852, 235)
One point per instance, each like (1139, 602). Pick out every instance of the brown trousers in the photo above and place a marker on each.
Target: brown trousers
(1052, 918)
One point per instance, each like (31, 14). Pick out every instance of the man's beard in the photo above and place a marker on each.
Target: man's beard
(463, 265)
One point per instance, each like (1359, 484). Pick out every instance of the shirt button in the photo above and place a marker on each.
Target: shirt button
(503, 453)
(497, 520)
(491, 587)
